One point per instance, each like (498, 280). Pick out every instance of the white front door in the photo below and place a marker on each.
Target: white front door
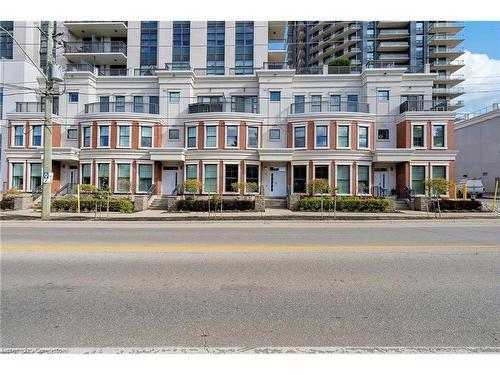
(381, 179)
(277, 182)
(169, 179)
(73, 175)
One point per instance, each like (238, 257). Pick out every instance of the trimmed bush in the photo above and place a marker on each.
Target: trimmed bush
(347, 204)
(456, 205)
(7, 203)
(88, 205)
(189, 204)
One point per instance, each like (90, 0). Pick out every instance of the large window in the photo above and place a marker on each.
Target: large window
(334, 103)
(299, 178)
(252, 175)
(363, 137)
(123, 178)
(191, 171)
(210, 177)
(343, 136)
(344, 179)
(124, 136)
(438, 136)
(18, 176)
(231, 177)
(244, 47)
(418, 179)
(6, 42)
(138, 104)
(154, 105)
(231, 136)
(352, 103)
(104, 104)
(86, 179)
(211, 136)
(181, 45)
(104, 136)
(322, 136)
(315, 103)
(253, 136)
(36, 135)
(146, 136)
(247, 104)
(299, 103)
(363, 179)
(299, 136)
(418, 136)
(86, 136)
(191, 137)
(120, 103)
(215, 47)
(145, 176)
(103, 176)
(321, 172)
(149, 46)
(18, 135)
(439, 171)
(35, 175)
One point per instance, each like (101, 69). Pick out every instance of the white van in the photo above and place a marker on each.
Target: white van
(474, 186)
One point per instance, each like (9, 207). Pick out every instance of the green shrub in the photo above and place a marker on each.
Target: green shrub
(89, 205)
(201, 205)
(347, 204)
(7, 203)
(340, 61)
(456, 205)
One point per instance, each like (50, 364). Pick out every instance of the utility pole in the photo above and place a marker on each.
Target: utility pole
(47, 129)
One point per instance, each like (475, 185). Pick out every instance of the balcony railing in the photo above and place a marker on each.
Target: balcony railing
(96, 47)
(309, 70)
(444, 63)
(450, 77)
(393, 56)
(277, 45)
(423, 105)
(275, 65)
(79, 68)
(444, 37)
(35, 107)
(111, 72)
(447, 90)
(117, 107)
(445, 50)
(385, 32)
(333, 69)
(327, 106)
(445, 24)
(224, 106)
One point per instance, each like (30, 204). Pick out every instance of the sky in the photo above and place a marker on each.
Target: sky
(482, 65)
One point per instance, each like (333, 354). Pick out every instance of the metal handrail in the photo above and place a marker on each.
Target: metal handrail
(151, 191)
(224, 106)
(35, 107)
(416, 105)
(66, 189)
(379, 191)
(37, 192)
(327, 106)
(111, 72)
(410, 193)
(131, 107)
(96, 47)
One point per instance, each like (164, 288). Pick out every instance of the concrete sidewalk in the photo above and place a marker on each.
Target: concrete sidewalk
(269, 214)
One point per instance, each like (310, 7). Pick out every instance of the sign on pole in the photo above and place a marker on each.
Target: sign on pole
(48, 177)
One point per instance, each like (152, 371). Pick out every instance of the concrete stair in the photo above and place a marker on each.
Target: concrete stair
(275, 203)
(159, 204)
(400, 204)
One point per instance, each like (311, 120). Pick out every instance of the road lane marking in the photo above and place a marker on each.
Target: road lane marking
(19, 247)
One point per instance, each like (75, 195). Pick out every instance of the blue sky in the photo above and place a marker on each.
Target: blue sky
(482, 37)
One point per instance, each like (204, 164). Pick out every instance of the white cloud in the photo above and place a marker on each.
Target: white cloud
(482, 81)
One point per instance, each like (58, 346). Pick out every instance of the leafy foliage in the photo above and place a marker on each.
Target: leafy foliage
(318, 186)
(89, 204)
(201, 205)
(347, 204)
(340, 61)
(192, 186)
(457, 205)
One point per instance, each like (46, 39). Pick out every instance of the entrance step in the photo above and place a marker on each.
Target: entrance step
(159, 204)
(275, 203)
(400, 204)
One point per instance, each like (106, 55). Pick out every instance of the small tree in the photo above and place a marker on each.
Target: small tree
(318, 186)
(243, 187)
(192, 186)
(339, 65)
(340, 61)
(436, 187)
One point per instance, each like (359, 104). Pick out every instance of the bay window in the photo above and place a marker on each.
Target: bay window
(438, 136)
(191, 137)
(321, 172)
(321, 136)
(86, 168)
(343, 179)
(343, 136)
(253, 137)
(210, 178)
(104, 136)
(211, 136)
(124, 136)
(230, 177)
(363, 137)
(86, 136)
(18, 176)
(123, 178)
(191, 172)
(35, 175)
(299, 178)
(232, 136)
(299, 137)
(418, 179)
(145, 172)
(18, 135)
(36, 135)
(103, 176)
(146, 136)
(252, 176)
(363, 179)
(418, 136)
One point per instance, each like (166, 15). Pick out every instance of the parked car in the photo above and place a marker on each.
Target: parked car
(474, 187)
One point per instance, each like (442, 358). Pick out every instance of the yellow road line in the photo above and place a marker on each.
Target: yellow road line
(141, 247)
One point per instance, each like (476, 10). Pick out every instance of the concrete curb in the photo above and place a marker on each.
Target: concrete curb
(245, 218)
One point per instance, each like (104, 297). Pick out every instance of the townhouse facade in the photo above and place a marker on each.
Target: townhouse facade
(147, 128)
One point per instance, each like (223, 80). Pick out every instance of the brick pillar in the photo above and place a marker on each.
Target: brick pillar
(242, 175)
(135, 135)
(26, 132)
(222, 141)
(158, 177)
(134, 176)
(310, 135)
(93, 173)
(9, 135)
(310, 167)
(333, 134)
(158, 135)
(201, 135)
(402, 178)
(243, 135)
(354, 178)
(113, 135)
(94, 134)
(332, 175)
(428, 127)
(289, 135)
(450, 135)
(112, 175)
(354, 135)
(221, 177)
(451, 171)
(56, 182)
(56, 135)
(200, 172)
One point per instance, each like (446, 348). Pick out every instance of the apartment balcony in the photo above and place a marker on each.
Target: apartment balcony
(97, 53)
(447, 40)
(277, 29)
(346, 31)
(277, 49)
(445, 27)
(395, 57)
(117, 109)
(70, 68)
(392, 24)
(327, 107)
(109, 72)
(35, 107)
(276, 65)
(230, 106)
(82, 29)
(453, 105)
(392, 46)
(423, 106)
(393, 34)
(352, 69)
(351, 52)
(444, 52)
(450, 79)
(449, 66)
(449, 92)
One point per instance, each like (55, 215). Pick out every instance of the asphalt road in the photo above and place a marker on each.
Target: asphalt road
(246, 285)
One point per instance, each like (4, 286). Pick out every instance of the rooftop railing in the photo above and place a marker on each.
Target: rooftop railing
(275, 65)
(447, 62)
(112, 72)
(225, 106)
(447, 90)
(328, 106)
(423, 105)
(333, 69)
(385, 32)
(446, 37)
(96, 47)
(35, 107)
(80, 68)
(116, 107)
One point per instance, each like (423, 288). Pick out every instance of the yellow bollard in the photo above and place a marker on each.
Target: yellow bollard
(464, 192)
(78, 198)
(454, 192)
(495, 197)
